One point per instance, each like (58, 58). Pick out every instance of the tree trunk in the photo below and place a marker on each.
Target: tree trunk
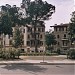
(35, 38)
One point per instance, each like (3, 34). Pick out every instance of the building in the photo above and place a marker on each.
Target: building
(62, 38)
(27, 32)
(28, 38)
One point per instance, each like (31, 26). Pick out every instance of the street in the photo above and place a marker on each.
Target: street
(14, 69)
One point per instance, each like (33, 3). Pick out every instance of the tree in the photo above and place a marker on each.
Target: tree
(12, 13)
(6, 25)
(5, 21)
(72, 27)
(38, 11)
(18, 40)
(50, 40)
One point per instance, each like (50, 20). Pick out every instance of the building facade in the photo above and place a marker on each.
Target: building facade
(62, 38)
(27, 32)
(28, 38)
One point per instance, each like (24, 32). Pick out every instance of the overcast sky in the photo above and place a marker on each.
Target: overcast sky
(63, 10)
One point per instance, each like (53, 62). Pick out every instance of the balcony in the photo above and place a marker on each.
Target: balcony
(64, 39)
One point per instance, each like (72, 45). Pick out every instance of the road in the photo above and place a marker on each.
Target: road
(13, 69)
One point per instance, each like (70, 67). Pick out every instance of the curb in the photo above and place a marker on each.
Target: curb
(41, 63)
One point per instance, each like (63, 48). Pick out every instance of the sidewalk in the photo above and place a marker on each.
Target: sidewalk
(40, 62)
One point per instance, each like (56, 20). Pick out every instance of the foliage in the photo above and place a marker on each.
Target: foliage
(58, 51)
(50, 39)
(12, 13)
(72, 27)
(39, 11)
(6, 25)
(71, 54)
(39, 54)
(8, 19)
(9, 53)
(18, 40)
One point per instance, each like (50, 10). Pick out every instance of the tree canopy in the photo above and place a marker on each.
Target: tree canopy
(18, 40)
(40, 10)
(50, 39)
(5, 25)
(72, 27)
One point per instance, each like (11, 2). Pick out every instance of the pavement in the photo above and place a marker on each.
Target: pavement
(43, 61)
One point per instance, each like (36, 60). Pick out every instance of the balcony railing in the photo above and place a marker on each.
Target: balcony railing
(64, 39)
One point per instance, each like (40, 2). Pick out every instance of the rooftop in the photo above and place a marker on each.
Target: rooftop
(61, 25)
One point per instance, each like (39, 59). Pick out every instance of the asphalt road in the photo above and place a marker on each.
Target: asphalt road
(37, 69)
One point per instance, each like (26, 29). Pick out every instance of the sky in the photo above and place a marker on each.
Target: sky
(62, 14)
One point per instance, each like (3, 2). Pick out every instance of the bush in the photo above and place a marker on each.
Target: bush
(71, 54)
(9, 53)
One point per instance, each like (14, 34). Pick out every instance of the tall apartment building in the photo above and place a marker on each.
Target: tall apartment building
(28, 38)
(62, 37)
(27, 31)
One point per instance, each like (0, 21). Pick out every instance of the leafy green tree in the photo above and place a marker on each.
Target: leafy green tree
(18, 40)
(72, 27)
(8, 19)
(5, 22)
(50, 40)
(6, 25)
(12, 13)
(38, 11)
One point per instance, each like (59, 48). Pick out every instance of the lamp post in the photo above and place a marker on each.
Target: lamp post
(43, 54)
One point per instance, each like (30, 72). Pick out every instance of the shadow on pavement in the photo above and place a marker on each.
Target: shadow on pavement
(32, 68)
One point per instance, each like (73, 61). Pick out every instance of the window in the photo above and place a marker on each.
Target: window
(24, 31)
(32, 43)
(58, 43)
(66, 28)
(39, 29)
(41, 43)
(59, 29)
(38, 36)
(42, 29)
(55, 29)
(65, 49)
(38, 42)
(4, 42)
(9, 36)
(63, 29)
(10, 42)
(57, 36)
(41, 51)
(41, 36)
(32, 35)
(64, 35)
(28, 36)
(35, 29)
(28, 43)
(64, 43)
